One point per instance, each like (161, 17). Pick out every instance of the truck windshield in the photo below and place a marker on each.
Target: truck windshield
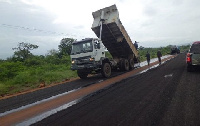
(82, 47)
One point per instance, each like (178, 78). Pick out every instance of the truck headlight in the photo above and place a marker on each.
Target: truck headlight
(91, 59)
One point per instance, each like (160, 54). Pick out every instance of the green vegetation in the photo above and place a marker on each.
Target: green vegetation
(17, 76)
(184, 48)
(153, 52)
(164, 50)
(23, 51)
(107, 54)
(25, 71)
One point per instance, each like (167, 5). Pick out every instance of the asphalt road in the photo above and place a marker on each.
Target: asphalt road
(166, 95)
(17, 101)
(34, 96)
(28, 98)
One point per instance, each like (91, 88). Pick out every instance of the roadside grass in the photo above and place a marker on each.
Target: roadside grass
(4, 89)
(31, 78)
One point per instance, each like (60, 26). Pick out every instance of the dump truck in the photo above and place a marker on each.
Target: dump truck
(88, 55)
(175, 49)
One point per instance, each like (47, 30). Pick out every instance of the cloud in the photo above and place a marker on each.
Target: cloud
(167, 22)
(47, 22)
(6, 1)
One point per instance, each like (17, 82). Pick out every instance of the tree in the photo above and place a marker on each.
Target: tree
(52, 52)
(141, 48)
(65, 46)
(23, 50)
(52, 57)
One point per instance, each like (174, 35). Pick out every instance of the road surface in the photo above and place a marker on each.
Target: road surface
(163, 96)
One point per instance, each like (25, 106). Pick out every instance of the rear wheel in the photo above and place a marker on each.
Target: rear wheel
(82, 74)
(106, 70)
(124, 65)
(131, 64)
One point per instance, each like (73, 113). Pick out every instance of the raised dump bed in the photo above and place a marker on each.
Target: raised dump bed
(113, 36)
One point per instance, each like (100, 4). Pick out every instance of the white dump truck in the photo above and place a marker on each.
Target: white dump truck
(88, 55)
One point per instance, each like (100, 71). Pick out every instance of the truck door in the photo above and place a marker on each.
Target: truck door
(99, 50)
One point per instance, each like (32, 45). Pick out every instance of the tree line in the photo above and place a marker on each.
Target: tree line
(23, 50)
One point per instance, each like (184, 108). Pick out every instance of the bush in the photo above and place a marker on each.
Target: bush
(184, 48)
(153, 52)
(66, 60)
(34, 61)
(8, 70)
(23, 78)
(4, 89)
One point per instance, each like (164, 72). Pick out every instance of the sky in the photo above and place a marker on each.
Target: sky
(44, 23)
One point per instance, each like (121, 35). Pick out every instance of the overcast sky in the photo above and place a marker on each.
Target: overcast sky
(153, 23)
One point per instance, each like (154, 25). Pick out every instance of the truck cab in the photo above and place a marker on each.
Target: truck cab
(86, 55)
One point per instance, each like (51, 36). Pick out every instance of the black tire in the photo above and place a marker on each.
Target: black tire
(82, 74)
(106, 70)
(131, 64)
(124, 65)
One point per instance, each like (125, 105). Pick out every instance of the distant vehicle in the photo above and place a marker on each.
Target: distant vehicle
(193, 56)
(175, 49)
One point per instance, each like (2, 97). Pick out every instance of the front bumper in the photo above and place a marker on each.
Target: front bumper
(84, 66)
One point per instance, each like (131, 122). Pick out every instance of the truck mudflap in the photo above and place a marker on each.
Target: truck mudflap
(114, 36)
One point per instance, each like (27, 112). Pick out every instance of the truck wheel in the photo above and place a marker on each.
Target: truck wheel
(106, 70)
(82, 75)
(126, 64)
(131, 64)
